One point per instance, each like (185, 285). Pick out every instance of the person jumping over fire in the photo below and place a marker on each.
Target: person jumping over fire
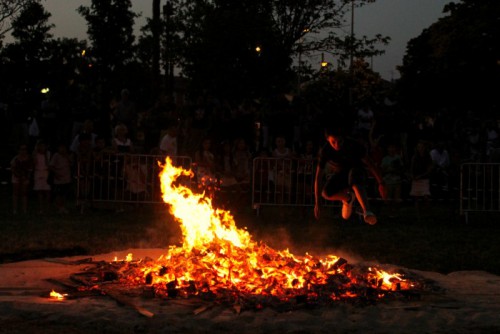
(347, 162)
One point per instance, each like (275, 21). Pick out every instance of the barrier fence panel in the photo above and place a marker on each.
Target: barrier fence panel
(126, 178)
(479, 188)
(133, 178)
(290, 182)
(285, 182)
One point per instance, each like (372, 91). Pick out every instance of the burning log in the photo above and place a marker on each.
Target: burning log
(120, 298)
(97, 282)
(203, 308)
(324, 285)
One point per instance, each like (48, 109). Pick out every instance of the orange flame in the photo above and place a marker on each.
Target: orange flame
(57, 295)
(216, 255)
(200, 223)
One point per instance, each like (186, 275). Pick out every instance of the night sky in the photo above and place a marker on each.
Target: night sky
(402, 20)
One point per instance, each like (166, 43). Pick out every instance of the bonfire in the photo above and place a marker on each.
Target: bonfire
(219, 261)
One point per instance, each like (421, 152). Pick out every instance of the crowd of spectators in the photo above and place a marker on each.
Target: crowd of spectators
(418, 152)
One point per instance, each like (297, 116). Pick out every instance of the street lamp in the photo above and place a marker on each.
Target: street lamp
(299, 70)
(324, 63)
(351, 44)
(351, 50)
(168, 10)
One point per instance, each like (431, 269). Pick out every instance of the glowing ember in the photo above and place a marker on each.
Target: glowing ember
(56, 295)
(217, 258)
(128, 258)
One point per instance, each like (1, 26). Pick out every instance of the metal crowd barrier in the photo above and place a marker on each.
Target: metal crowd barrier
(133, 178)
(479, 188)
(125, 178)
(284, 182)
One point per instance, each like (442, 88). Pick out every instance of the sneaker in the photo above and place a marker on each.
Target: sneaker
(347, 207)
(370, 218)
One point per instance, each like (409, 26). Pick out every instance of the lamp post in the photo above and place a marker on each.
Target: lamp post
(351, 44)
(169, 66)
(299, 69)
(351, 55)
(156, 23)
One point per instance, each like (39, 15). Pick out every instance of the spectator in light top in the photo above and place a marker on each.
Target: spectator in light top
(393, 169)
(121, 142)
(168, 144)
(21, 167)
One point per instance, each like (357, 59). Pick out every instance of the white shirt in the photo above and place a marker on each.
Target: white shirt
(365, 119)
(442, 159)
(168, 145)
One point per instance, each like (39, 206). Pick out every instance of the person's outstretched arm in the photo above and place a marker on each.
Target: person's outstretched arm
(374, 170)
(317, 178)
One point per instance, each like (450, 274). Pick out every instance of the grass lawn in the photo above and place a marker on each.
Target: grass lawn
(434, 238)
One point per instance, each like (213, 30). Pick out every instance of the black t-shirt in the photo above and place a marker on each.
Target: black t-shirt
(349, 156)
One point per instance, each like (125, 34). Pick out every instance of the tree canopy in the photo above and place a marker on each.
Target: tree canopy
(9, 10)
(248, 47)
(456, 61)
(110, 30)
(235, 50)
(25, 60)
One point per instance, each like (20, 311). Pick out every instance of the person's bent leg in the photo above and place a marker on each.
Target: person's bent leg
(357, 180)
(337, 189)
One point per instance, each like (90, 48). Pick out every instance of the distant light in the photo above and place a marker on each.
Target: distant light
(44, 90)
(306, 30)
(83, 52)
(324, 64)
(258, 49)
(90, 66)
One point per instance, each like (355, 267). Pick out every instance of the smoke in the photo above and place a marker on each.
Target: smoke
(311, 237)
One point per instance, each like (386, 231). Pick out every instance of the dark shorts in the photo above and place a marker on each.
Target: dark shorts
(343, 180)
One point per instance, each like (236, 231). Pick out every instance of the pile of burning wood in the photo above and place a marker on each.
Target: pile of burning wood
(326, 284)
(220, 263)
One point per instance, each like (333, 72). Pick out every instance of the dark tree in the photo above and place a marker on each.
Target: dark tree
(455, 62)
(110, 30)
(9, 11)
(247, 47)
(31, 31)
(69, 67)
(149, 50)
(156, 29)
(25, 60)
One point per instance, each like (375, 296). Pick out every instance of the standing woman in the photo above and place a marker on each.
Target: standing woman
(205, 163)
(121, 141)
(60, 165)
(420, 169)
(21, 167)
(41, 186)
(204, 157)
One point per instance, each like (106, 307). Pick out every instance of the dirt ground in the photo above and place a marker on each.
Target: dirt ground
(465, 302)
(456, 257)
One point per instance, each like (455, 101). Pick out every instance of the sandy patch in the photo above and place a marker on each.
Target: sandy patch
(468, 302)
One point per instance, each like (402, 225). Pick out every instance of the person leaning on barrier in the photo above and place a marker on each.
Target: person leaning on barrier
(348, 161)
